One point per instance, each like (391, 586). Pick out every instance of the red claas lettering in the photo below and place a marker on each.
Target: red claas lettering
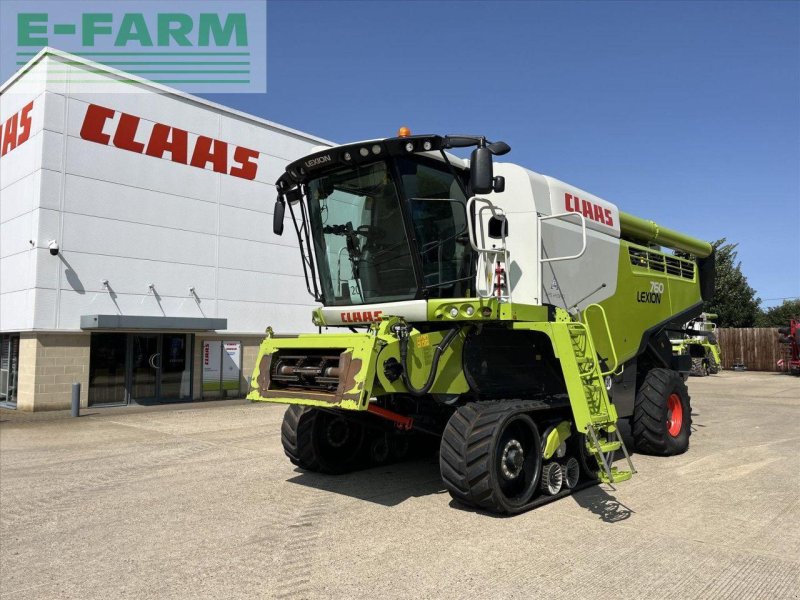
(361, 317)
(588, 209)
(16, 130)
(169, 139)
(101, 126)
(211, 151)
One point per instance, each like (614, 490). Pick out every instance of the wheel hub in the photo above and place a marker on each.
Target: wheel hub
(674, 415)
(512, 460)
(338, 432)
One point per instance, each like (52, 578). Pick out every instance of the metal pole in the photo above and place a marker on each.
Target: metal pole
(76, 399)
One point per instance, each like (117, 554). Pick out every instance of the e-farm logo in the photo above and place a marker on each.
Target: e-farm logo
(198, 46)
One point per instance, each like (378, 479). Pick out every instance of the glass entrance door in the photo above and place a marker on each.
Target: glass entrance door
(108, 369)
(140, 367)
(145, 356)
(176, 367)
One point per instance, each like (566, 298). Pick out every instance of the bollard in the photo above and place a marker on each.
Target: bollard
(76, 399)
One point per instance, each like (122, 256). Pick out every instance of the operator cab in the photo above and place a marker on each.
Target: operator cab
(386, 220)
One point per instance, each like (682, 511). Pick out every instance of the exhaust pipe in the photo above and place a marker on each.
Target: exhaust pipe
(552, 478)
(572, 473)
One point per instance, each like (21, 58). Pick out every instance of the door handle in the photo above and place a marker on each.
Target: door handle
(152, 360)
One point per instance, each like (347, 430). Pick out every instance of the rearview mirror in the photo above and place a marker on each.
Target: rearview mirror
(480, 171)
(277, 217)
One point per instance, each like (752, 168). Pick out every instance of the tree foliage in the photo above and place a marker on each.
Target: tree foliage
(734, 300)
(779, 316)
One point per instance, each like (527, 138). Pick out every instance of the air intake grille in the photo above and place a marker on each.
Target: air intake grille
(661, 263)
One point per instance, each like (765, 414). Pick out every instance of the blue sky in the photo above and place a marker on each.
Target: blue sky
(684, 113)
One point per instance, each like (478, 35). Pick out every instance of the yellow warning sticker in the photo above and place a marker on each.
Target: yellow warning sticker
(423, 341)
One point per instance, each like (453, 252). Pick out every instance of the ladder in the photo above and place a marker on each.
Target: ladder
(594, 413)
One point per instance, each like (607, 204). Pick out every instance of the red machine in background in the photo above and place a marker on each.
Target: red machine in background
(789, 337)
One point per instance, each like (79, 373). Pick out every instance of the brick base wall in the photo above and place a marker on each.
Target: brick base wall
(49, 363)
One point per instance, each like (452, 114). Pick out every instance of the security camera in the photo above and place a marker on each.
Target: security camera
(53, 245)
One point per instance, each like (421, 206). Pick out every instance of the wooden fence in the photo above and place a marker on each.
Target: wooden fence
(757, 347)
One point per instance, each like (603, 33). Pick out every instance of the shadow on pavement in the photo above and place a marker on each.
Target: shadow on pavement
(388, 485)
(607, 508)
(393, 484)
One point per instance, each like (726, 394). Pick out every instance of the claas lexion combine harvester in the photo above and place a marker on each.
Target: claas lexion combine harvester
(699, 341)
(502, 317)
(789, 338)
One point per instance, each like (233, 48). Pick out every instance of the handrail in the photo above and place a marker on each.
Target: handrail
(486, 256)
(608, 332)
(471, 223)
(583, 233)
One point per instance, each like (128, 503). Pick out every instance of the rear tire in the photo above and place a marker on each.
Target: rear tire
(662, 414)
(320, 441)
(491, 456)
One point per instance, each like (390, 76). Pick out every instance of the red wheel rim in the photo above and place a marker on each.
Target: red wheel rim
(674, 415)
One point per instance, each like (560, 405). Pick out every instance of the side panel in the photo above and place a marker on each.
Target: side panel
(645, 297)
(582, 281)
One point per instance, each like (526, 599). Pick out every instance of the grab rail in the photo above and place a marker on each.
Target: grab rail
(608, 332)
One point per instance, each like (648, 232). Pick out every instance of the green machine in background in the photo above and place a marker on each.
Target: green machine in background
(498, 316)
(699, 342)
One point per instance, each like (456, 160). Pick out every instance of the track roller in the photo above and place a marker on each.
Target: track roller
(552, 478)
(571, 470)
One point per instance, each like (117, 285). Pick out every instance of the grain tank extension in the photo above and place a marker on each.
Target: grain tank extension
(499, 316)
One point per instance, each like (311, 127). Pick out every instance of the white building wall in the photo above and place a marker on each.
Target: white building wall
(136, 220)
(21, 175)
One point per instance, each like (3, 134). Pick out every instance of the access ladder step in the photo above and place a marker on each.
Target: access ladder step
(606, 447)
(616, 475)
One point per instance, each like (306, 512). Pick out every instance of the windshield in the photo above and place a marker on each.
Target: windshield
(438, 211)
(359, 237)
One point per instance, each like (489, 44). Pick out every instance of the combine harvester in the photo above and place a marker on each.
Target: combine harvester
(504, 317)
(699, 342)
(789, 338)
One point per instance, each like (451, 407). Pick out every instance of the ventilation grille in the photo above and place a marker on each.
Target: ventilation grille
(661, 263)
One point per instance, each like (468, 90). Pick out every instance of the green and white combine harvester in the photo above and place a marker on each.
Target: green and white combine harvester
(699, 342)
(503, 317)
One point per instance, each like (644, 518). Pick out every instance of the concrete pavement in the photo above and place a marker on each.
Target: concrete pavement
(199, 502)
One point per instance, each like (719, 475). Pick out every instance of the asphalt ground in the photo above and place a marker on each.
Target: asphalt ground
(199, 501)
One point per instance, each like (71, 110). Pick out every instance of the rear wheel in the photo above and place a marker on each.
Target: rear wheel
(491, 457)
(662, 414)
(317, 440)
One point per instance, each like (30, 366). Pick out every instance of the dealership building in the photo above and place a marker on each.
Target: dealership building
(136, 248)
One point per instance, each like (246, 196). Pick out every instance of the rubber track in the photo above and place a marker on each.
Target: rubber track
(713, 366)
(466, 446)
(698, 369)
(648, 424)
